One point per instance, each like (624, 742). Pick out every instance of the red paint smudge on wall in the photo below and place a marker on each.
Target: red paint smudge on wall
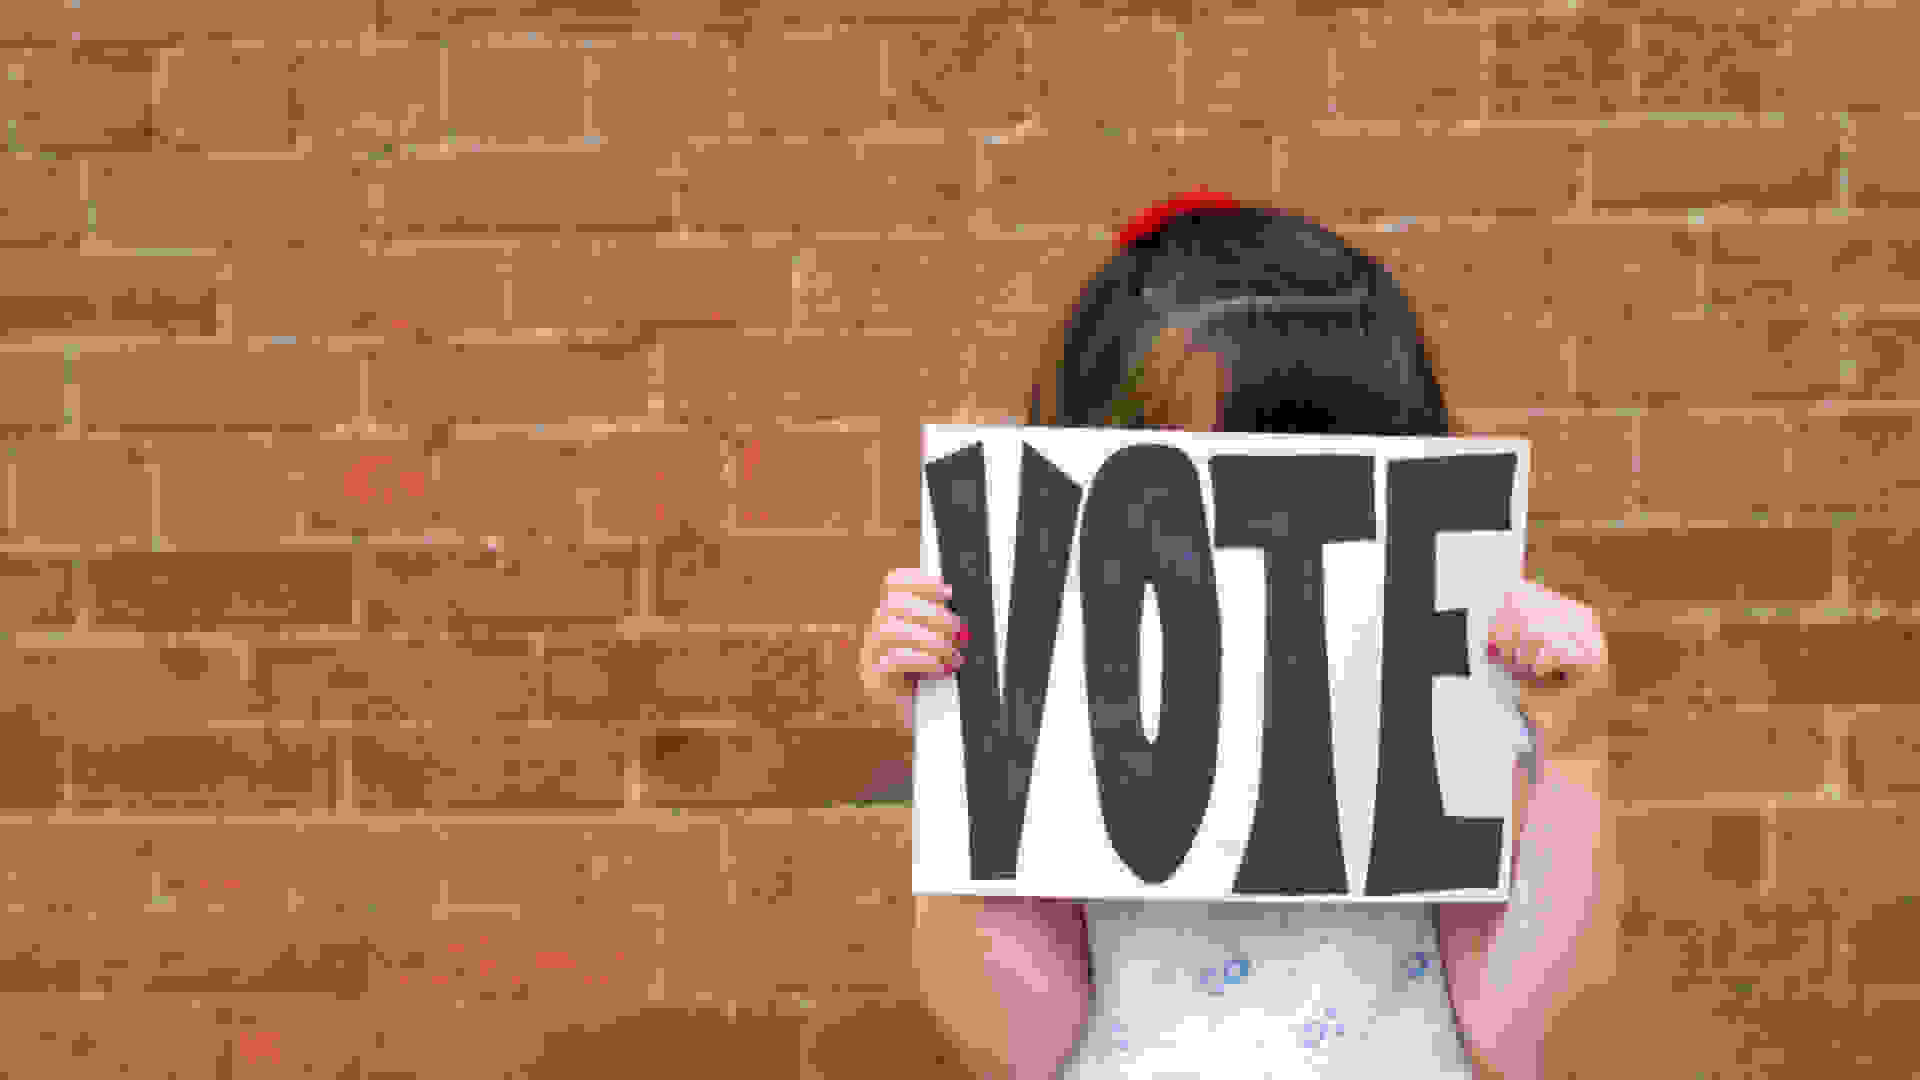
(551, 960)
(359, 481)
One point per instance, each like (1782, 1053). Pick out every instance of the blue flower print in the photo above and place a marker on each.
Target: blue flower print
(1216, 980)
(1315, 1033)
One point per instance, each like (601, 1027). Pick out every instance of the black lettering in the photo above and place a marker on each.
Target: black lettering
(1001, 733)
(1291, 508)
(1417, 846)
(1146, 523)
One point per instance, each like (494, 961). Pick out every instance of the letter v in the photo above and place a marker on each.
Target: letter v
(1002, 732)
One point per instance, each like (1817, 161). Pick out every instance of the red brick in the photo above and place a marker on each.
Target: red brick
(1040, 180)
(900, 450)
(1834, 849)
(205, 591)
(807, 378)
(651, 482)
(1853, 462)
(1497, 360)
(617, 19)
(368, 99)
(217, 98)
(1502, 271)
(1724, 358)
(133, 21)
(804, 480)
(839, 68)
(1883, 753)
(1408, 70)
(1743, 664)
(1880, 568)
(1848, 663)
(1690, 63)
(43, 204)
(1701, 568)
(605, 190)
(1353, 178)
(225, 493)
(1689, 866)
(454, 727)
(1876, 353)
(1582, 466)
(1682, 752)
(700, 680)
(1852, 58)
(107, 695)
(511, 770)
(512, 487)
(629, 282)
(211, 387)
(1884, 169)
(331, 288)
(1680, 168)
(1761, 444)
(119, 506)
(828, 185)
(64, 294)
(506, 384)
(513, 591)
(1040, 278)
(628, 82)
(1273, 74)
(891, 283)
(244, 772)
(33, 776)
(789, 768)
(752, 580)
(188, 201)
(1559, 66)
(1622, 272)
(1096, 74)
(812, 870)
(342, 487)
(525, 92)
(1648, 664)
(957, 76)
(74, 99)
(37, 593)
(1812, 269)
(32, 391)
(904, 1032)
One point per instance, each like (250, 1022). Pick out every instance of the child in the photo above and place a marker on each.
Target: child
(1219, 317)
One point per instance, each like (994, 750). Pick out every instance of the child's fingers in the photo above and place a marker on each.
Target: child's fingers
(900, 633)
(932, 614)
(915, 580)
(901, 666)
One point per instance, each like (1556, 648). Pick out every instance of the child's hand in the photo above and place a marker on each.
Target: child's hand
(1547, 640)
(913, 635)
(1554, 647)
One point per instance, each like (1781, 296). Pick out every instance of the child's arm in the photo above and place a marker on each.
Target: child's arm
(1007, 976)
(1511, 968)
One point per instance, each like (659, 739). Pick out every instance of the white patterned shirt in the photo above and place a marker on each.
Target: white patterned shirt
(1235, 991)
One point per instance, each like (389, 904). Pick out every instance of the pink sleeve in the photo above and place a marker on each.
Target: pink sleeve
(1037, 961)
(1509, 965)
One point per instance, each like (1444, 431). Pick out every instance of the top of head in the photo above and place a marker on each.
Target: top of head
(1310, 336)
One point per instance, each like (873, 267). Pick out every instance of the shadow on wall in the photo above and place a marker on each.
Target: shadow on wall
(878, 1040)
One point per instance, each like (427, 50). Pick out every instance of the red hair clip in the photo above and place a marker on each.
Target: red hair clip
(1149, 221)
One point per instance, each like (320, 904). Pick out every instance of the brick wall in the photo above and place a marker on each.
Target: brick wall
(450, 448)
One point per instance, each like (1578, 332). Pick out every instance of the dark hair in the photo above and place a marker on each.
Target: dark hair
(1317, 338)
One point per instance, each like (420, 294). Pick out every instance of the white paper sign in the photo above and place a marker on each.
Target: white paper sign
(1219, 667)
